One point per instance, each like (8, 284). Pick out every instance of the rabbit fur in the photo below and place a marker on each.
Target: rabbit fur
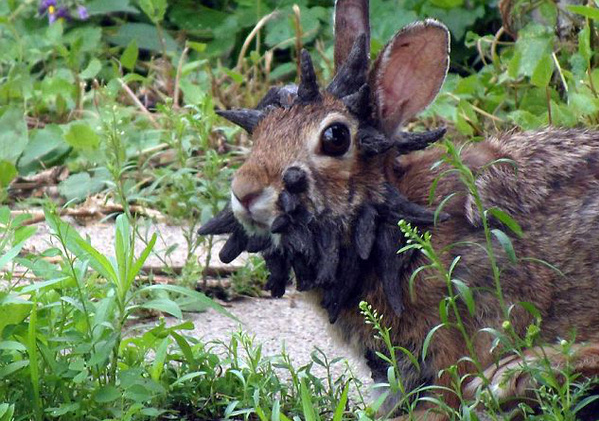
(330, 175)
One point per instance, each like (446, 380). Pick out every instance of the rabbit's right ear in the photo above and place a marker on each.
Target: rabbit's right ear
(409, 72)
(351, 21)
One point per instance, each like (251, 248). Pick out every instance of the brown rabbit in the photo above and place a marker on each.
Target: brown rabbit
(330, 175)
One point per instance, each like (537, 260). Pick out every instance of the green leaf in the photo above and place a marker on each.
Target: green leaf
(6, 412)
(36, 286)
(107, 394)
(165, 305)
(527, 120)
(31, 344)
(340, 409)
(282, 71)
(198, 296)
(583, 105)
(185, 348)
(146, 36)
(187, 377)
(506, 243)
(236, 76)
(541, 76)
(13, 311)
(466, 295)
(548, 11)
(7, 173)
(159, 359)
(441, 205)
(587, 12)
(282, 28)
(45, 148)
(192, 93)
(80, 247)
(12, 346)
(261, 414)
(96, 259)
(534, 44)
(13, 135)
(63, 409)
(427, 340)
(447, 4)
(134, 270)
(584, 402)
(129, 56)
(200, 47)
(307, 404)
(92, 69)
(138, 393)
(584, 43)
(13, 367)
(459, 20)
(100, 7)
(530, 308)
(155, 9)
(506, 220)
(79, 186)
(10, 254)
(81, 136)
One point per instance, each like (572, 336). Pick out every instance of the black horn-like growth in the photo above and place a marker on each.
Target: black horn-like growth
(307, 90)
(245, 118)
(358, 103)
(353, 74)
(406, 142)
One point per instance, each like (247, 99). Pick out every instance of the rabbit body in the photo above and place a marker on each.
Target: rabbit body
(554, 196)
(330, 175)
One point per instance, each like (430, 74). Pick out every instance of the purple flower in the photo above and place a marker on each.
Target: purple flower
(62, 13)
(45, 5)
(82, 12)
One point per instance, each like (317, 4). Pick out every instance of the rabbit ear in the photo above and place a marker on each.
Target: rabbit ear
(351, 20)
(409, 72)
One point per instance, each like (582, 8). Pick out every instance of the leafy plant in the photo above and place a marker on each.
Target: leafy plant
(65, 346)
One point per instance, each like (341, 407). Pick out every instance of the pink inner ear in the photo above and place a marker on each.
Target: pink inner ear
(410, 73)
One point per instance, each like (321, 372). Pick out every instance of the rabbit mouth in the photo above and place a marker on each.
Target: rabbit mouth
(257, 216)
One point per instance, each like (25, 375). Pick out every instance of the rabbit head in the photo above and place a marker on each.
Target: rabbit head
(314, 195)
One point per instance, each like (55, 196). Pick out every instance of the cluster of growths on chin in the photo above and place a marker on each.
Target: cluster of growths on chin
(316, 249)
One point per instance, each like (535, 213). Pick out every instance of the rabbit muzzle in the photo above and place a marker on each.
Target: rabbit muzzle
(255, 209)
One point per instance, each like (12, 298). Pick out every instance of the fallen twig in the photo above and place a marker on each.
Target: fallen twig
(94, 211)
(178, 76)
(139, 104)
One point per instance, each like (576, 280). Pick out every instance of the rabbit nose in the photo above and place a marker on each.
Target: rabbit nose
(246, 192)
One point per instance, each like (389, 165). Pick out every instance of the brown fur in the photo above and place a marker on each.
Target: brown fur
(553, 195)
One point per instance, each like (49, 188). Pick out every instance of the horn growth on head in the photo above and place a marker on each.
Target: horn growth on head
(354, 72)
(307, 90)
(247, 119)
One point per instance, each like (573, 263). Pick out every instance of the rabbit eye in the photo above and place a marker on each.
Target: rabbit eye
(335, 139)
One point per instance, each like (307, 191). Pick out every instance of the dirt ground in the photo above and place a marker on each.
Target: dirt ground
(290, 322)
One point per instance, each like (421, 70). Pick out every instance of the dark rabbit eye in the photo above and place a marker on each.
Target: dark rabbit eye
(335, 139)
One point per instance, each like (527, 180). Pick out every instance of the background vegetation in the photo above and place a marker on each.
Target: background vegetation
(121, 93)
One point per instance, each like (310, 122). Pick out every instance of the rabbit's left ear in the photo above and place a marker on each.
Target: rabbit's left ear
(409, 72)
(351, 21)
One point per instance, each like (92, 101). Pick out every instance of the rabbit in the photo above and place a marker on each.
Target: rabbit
(330, 174)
